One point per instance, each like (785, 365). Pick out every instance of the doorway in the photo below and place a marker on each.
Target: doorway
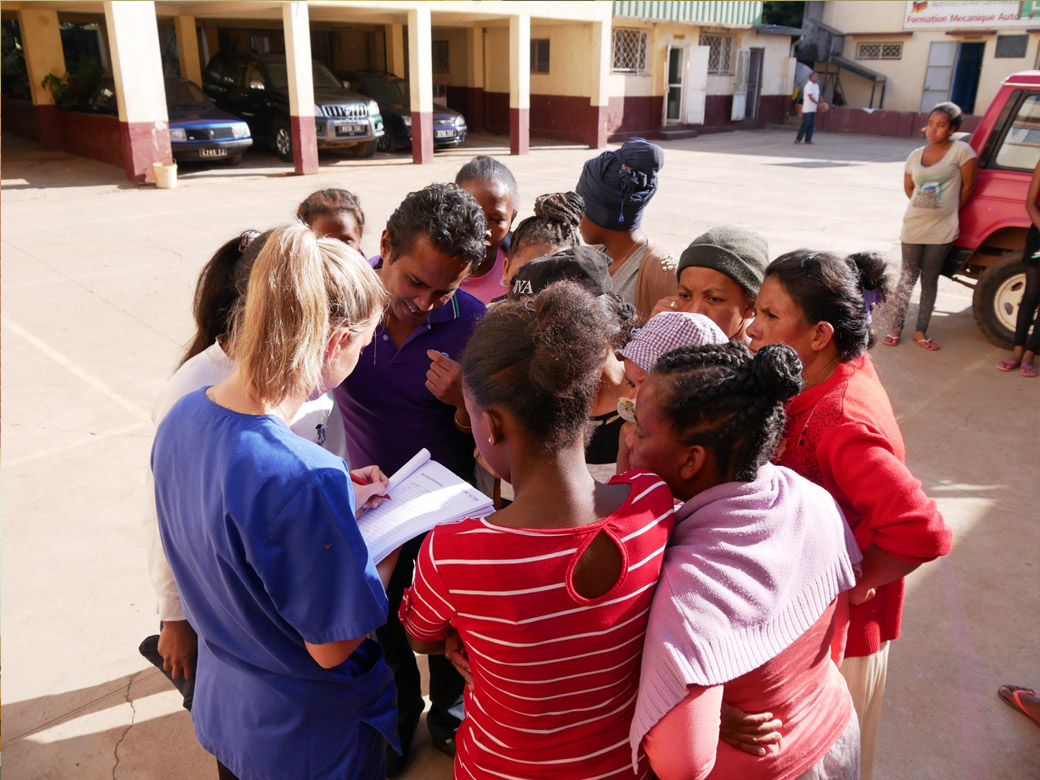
(754, 84)
(953, 74)
(673, 103)
(966, 76)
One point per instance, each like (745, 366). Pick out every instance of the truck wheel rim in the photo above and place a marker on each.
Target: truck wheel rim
(283, 141)
(1007, 299)
(383, 144)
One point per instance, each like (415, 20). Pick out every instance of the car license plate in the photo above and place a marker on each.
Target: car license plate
(443, 133)
(212, 152)
(350, 129)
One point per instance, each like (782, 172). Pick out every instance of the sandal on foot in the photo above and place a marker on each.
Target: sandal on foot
(1014, 695)
(1009, 365)
(926, 343)
(1028, 370)
(891, 340)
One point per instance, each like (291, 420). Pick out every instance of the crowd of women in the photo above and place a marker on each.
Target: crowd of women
(703, 516)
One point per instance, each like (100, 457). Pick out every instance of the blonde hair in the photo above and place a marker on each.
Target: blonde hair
(301, 289)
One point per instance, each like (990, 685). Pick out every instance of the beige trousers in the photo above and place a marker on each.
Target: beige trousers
(866, 676)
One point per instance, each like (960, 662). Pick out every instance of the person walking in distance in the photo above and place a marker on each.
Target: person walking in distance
(810, 104)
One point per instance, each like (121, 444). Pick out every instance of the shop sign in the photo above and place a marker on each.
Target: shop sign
(981, 15)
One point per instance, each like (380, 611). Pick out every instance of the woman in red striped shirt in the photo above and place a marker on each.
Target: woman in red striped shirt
(550, 595)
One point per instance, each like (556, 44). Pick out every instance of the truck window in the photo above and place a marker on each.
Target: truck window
(1020, 147)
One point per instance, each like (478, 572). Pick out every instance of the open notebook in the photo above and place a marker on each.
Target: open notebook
(423, 493)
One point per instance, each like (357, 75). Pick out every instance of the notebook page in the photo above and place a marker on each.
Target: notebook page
(399, 476)
(430, 495)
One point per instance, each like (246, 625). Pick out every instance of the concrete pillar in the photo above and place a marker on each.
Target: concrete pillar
(519, 84)
(599, 94)
(300, 72)
(420, 66)
(133, 35)
(475, 79)
(395, 53)
(41, 42)
(188, 49)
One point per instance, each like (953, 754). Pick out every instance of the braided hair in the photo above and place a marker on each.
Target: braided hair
(718, 395)
(840, 291)
(557, 216)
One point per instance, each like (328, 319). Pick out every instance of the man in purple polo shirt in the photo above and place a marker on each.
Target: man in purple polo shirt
(405, 394)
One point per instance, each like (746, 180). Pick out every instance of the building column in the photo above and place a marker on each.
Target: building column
(420, 68)
(599, 95)
(296, 21)
(188, 49)
(519, 84)
(475, 79)
(133, 36)
(41, 42)
(395, 53)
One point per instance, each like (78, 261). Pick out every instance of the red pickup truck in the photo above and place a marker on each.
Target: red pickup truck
(993, 224)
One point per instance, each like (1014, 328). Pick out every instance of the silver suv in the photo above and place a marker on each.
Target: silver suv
(256, 88)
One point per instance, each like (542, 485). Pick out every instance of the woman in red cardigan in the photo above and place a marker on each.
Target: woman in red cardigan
(842, 434)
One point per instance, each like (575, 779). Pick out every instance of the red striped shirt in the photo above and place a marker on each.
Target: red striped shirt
(556, 674)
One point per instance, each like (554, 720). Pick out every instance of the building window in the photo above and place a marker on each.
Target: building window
(441, 61)
(1012, 46)
(540, 55)
(629, 50)
(720, 54)
(879, 51)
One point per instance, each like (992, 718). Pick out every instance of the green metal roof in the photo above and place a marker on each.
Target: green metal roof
(710, 12)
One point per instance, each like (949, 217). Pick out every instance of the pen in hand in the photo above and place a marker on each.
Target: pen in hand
(358, 481)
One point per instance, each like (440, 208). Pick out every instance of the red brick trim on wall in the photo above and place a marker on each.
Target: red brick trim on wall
(94, 136)
(304, 143)
(19, 116)
(634, 116)
(422, 137)
(519, 130)
(144, 143)
(893, 124)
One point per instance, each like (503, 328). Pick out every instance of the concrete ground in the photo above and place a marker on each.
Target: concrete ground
(97, 281)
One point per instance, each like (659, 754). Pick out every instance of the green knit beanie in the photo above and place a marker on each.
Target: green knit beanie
(737, 252)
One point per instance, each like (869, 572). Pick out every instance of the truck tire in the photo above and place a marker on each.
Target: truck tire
(281, 140)
(996, 299)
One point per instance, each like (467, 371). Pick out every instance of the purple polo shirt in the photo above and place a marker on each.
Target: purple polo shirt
(388, 413)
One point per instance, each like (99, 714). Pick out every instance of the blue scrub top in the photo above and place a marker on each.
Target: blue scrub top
(258, 525)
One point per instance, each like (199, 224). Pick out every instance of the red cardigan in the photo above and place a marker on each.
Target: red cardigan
(842, 435)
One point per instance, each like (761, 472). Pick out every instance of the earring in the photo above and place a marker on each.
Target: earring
(490, 440)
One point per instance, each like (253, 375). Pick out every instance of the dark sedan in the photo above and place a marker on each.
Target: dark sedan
(198, 129)
(394, 98)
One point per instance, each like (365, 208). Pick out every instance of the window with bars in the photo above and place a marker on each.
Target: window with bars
(539, 55)
(879, 51)
(1012, 46)
(720, 53)
(441, 60)
(629, 50)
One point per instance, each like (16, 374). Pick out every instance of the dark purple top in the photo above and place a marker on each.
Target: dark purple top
(388, 412)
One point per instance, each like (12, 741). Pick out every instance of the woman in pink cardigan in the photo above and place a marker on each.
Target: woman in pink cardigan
(744, 612)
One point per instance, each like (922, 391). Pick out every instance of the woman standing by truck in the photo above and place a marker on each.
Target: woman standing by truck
(938, 180)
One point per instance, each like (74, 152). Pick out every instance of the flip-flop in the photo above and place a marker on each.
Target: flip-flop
(890, 340)
(1028, 370)
(1009, 365)
(1012, 694)
(926, 343)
